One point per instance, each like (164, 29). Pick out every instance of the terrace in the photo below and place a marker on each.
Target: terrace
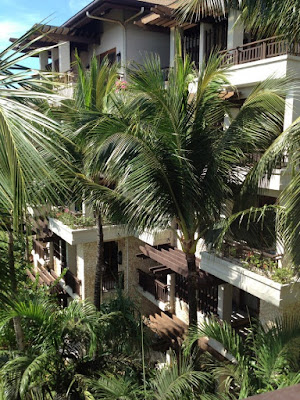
(260, 50)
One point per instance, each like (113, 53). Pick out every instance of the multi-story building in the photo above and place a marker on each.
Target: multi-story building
(152, 264)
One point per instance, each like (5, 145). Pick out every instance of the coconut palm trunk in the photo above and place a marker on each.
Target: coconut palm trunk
(192, 285)
(13, 279)
(100, 263)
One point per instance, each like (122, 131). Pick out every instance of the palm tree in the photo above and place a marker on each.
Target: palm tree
(171, 156)
(58, 340)
(264, 18)
(65, 347)
(93, 99)
(177, 381)
(267, 360)
(31, 147)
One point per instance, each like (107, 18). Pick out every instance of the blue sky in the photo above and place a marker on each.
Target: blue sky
(17, 16)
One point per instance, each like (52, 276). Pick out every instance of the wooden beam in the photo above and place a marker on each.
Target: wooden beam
(57, 37)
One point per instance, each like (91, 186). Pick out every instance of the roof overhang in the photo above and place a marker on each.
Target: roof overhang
(49, 35)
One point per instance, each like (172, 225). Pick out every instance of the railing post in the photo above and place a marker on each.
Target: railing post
(236, 56)
(263, 50)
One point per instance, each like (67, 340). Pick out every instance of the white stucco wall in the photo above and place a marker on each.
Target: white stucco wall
(140, 42)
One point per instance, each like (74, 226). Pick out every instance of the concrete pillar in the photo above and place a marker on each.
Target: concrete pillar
(202, 42)
(292, 107)
(54, 57)
(71, 258)
(43, 57)
(171, 284)
(172, 46)
(235, 33)
(225, 301)
(64, 56)
(80, 269)
(227, 119)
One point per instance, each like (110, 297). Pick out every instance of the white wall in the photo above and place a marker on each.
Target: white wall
(140, 42)
(111, 36)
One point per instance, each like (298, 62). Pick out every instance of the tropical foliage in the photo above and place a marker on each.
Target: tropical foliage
(263, 18)
(268, 359)
(170, 154)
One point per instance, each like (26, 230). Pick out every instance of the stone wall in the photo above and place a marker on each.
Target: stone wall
(86, 268)
(130, 263)
(269, 313)
(57, 266)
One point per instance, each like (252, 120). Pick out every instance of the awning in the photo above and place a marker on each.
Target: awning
(175, 260)
(171, 258)
(163, 16)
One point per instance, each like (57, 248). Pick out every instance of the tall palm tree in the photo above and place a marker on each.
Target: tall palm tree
(170, 154)
(93, 99)
(264, 18)
(31, 147)
(267, 360)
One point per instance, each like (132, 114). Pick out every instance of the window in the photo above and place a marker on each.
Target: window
(110, 54)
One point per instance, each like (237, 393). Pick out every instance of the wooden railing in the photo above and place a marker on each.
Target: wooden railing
(72, 281)
(40, 249)
(259, 50)
(111, 282)
(253, 158)
(207, 297)
(153, 286)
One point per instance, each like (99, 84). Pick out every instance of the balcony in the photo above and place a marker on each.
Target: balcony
(154, 289)
(76, 234)
(260, 50)
(253, 272)
(256, 61)
(40, 250)
(73, 282)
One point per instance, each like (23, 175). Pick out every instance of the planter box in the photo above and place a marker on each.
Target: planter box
(86, 235)
(264, 288)
(110, 233)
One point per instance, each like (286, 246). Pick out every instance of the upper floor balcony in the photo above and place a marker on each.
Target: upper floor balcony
(254, 62)
(76, 228)
(253, 271)
(260, 50)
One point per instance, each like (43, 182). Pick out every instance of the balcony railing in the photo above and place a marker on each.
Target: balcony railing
(260, 50)
(153, 286)
(72, 281)
(207, 297)
(40, 249)
(111, 282)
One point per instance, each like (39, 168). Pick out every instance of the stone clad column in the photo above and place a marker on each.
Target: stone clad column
(71, 258)
(225, 301)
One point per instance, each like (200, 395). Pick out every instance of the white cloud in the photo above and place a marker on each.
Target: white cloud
(77, 5)
(11, 29)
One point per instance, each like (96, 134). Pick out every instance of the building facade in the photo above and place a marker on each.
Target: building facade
(151, 265)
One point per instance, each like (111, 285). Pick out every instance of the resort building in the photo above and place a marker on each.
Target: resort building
(150, 266)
